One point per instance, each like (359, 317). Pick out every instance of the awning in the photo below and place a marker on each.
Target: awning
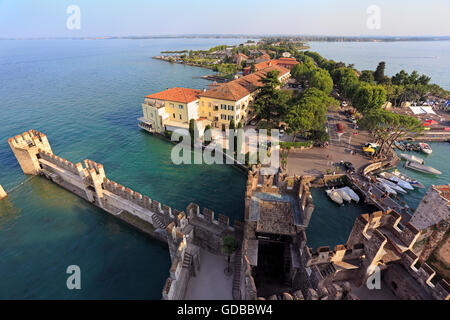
(369, 149)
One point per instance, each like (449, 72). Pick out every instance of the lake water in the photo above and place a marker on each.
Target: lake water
(428, 57)
(86, 96)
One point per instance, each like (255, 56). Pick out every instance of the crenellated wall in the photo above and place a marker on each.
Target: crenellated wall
(183, 233)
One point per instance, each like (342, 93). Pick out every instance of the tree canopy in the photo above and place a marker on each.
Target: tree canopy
(388, 126)
(321, 79)
(368, 97)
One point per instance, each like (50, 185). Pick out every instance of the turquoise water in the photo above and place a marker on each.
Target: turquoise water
(86, 96)
(429, 57)
(438, 160)
(331, 224)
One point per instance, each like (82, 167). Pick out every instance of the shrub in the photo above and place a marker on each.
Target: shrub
(298, 144)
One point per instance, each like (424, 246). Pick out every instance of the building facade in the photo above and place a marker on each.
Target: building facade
(174, 108)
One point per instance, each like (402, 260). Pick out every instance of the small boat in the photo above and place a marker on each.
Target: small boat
(385, 187)
(392, 185)
(412, 158)
(334, 196)
(389, 176)
(421, 168)
(344, 195)
(425, 148)
(399, 145)
(412, 181)
(352, 194)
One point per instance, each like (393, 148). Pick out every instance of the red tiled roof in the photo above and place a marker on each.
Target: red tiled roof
(177, 94)
(239, 88)
(279, 62)
(444, 191)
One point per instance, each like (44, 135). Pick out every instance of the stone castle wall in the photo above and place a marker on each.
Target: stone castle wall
(90, 182)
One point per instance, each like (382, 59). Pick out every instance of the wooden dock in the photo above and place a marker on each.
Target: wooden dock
(374, 195)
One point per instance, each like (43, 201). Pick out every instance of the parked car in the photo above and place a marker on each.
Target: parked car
(349, 166)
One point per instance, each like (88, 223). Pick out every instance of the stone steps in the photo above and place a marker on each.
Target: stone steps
(187, 259)
(237, 275)
(158, 222)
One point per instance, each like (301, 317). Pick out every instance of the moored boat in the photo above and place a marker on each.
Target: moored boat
(334, 196)
(352, 194)
(412, 158)
(389, 176)
(385, 187)
(421, 168)
(344, 195)
(414, 182)
(399, 145)
(425, 148)
(392, 185)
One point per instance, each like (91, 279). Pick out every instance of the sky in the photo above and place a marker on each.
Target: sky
(48, 18)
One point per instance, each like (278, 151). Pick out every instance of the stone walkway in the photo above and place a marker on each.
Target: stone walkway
(211, 282)
(315, 161)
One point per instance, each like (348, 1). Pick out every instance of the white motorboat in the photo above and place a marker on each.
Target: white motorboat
(344, 195)
(421, 168)
(392, 185)
(334, 196)
(352, 194)
(385, 187)
(425, 148)
(414, 182)
(412, 158)
(389, 176)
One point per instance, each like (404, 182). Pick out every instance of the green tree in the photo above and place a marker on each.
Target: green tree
(270, 102)
(387, 127)
(229, 245)
(321, 79)
(367, 76)
(379, 72)
(368, 97)
(207, 134)
(315, 102)
(192, 129)
(299, 120)
(346, 81)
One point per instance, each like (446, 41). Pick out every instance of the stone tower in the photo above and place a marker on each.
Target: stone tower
(26, 148)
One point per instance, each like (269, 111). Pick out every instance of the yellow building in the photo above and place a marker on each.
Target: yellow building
(175, 107)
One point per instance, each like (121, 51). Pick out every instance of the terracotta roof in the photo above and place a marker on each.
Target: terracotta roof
(239, 88)
(177, 94)
(444, 191)
(281, 61)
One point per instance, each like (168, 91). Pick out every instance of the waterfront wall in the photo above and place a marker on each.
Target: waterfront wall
(184, 234)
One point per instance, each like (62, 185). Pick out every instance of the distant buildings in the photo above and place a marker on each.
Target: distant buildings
(287, 63)
(174, 108)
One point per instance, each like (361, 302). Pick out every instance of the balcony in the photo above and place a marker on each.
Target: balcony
(154, 103)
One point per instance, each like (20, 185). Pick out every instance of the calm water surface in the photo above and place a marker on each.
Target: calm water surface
(86, 96)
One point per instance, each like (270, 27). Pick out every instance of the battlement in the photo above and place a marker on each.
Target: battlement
(424, 275)
(29, 139)
(193, 211)
(60, 162)
(340, 253)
